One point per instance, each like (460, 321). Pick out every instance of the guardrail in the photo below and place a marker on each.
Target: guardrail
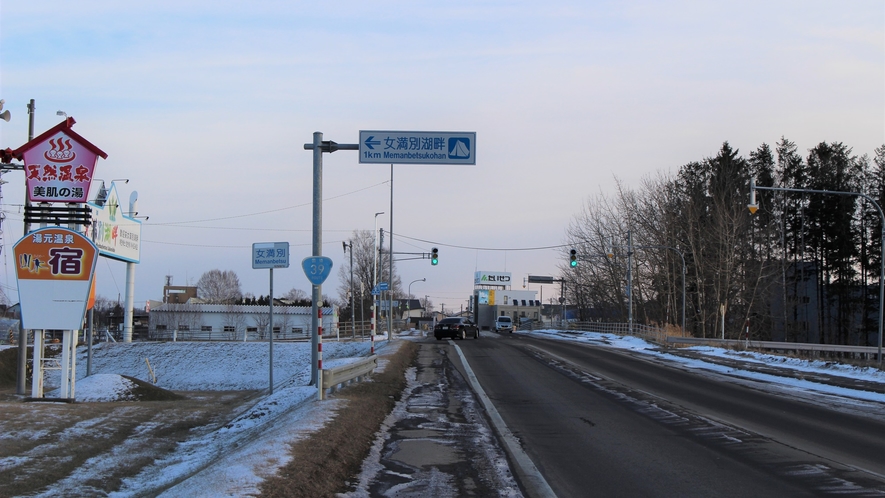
(868, 352)
(333, 377)
(647, 332)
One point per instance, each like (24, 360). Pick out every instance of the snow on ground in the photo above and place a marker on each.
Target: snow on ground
(830, 368)
(205, 464)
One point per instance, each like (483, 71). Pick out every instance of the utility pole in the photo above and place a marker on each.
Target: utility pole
(21, 384)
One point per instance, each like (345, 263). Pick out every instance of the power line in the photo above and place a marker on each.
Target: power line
(172, 223)
(455, 246)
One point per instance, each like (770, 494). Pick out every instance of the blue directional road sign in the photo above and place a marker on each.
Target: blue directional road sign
(417, 147)
(317, 268)
(379, 288)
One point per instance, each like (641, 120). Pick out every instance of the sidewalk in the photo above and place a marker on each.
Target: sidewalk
(436, 442)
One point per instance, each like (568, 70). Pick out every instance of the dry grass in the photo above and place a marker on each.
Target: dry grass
(671, 330)
(57, 439)
(323, 464)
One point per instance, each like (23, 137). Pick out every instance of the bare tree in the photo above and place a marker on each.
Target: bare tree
(296, 295)
(219, 287)
(363, 261)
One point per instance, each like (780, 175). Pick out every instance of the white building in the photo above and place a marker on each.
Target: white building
(231, 322)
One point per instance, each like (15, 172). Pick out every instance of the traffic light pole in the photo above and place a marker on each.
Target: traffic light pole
(752, 206)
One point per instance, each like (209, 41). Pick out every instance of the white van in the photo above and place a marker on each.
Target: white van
(503, 324)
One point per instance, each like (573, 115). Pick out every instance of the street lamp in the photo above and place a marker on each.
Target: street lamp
(409, 296)
(752, 206)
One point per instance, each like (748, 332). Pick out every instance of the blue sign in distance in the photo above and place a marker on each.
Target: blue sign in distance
(417, 147)
(270, 255)
(379, 288)
(317, 268)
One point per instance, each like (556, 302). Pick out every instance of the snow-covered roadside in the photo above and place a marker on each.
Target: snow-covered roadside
(233, 460)
(206, 465)
(811, 366)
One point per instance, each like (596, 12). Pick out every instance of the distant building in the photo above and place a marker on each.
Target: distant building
(178, 293)
(232, 322)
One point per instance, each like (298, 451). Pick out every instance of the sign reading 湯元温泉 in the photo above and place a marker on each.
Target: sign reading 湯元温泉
(417, 147)
(54, 269)
(59, 165)
(270, 255)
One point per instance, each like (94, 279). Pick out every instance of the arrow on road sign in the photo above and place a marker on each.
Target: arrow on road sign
(371, 143)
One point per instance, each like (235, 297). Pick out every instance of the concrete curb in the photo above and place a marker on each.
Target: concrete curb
(535, 484)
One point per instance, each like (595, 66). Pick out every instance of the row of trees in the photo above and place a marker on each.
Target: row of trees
(223, 287)
(805, 267)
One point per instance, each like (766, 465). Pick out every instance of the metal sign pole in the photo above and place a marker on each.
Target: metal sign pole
(317, 249)
(270, 361)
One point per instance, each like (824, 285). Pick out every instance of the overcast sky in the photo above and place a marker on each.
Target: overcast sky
(205, 108)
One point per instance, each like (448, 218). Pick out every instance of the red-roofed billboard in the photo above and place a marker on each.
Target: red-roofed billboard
(59, 165)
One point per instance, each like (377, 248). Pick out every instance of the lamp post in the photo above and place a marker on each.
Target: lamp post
(409, 297)
(352, 310)
(752, 206)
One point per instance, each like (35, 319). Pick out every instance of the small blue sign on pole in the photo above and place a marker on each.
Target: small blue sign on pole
(317, 268)
(270, 255)
(379, 288)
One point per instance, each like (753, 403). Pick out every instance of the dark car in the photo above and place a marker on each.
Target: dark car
(456, 328)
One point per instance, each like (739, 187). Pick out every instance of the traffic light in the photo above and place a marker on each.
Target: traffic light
(434, 256)
(573, 258)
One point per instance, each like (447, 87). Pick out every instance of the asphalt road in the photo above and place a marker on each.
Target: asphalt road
(602, 422)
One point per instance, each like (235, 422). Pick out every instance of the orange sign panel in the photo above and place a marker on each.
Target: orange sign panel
(55, 268)
(55, 253)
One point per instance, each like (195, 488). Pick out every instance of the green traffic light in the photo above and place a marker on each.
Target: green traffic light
(574, 263)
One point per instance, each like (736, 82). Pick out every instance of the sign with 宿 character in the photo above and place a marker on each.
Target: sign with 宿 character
(54, 268)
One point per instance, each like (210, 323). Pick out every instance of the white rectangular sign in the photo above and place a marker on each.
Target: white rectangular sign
(117, 236)
(270, 255)
(417, 147)
(491, 278)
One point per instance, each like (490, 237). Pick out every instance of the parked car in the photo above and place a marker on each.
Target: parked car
(456, 328)
(503, 324)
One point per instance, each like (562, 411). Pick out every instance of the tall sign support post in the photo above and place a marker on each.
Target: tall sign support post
(58, 166)
(317, 270)
(318, 147)
(270, 255)
(413, 147)
(381, 147)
